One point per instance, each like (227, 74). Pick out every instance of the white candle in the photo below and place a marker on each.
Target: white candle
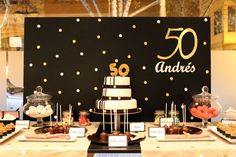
(185, 114)
(60, 114)
(172, 107)
(103, 120)
(57, 113)
(124, 121)
(182, 107)
(127, 119)
(111, 120)
(175, 115)
(166, 114)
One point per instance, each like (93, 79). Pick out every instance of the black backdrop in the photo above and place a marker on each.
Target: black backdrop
(72, 55)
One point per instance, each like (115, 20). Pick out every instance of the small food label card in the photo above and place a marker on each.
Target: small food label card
(77, 132)
(158, 132)
(22, 124)
(166, 121)
(137, 126)
(117, 141)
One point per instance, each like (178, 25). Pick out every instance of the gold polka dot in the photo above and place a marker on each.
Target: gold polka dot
(146, 98)
(129, 56)
(171, 78)
(204, 43)
(191, 117)
(145, 82)
(144, 67)
(116, 60)
(120, 35)
(59, 92)
(57, 56)
(114, 86)
(38, 46)
(45, 80)
(158, 21)
(133, 26)
(145, 43)
(81, 53)
(61, 74)
(60, 30)
(167, 94)
(73, 41)
(99, 19)
(104, 52)
(98, 37)
(96, 69)
(77, 73)
(77, 90)
(95, 88)
(109, 98)
(205, 19)
(119, 98)
(185, 89)
(207, 71)
(38, 26)
(77, 20)
(44, 63)
(31, 65)
(79, 103)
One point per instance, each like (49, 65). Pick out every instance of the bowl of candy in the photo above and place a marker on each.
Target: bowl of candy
(38, 106)
(205, 106)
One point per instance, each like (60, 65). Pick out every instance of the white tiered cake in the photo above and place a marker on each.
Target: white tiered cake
(116, 95)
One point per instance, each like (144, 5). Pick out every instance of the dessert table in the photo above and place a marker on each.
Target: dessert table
(149, 147)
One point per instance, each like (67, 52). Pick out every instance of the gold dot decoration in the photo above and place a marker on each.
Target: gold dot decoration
(144, 67)
(145, 43)
(158, 21)
(129, 56)
(60, 30)
(38, 47)
(171, 78)
(96, 69)
(191, 117)
(61, 74)
(204, 43)
(145, 82)
(77, 19)
(81, 53)
(79, 103)
(167, 94)
(45, 80)
(114, 86)
(44, 63)
(185, 89)
(77, 90)
(207, 71)
(57, 56)
(95, 88)
(116, 60)
(120, 35)
(134, 26)
(119, 98)
(30, 64)
(104, 52)
(59, 92)
(38, 26)
(77, 73)
(98, 37)
(205, 19)
(146, 98)
(73, 41)
(99, 20)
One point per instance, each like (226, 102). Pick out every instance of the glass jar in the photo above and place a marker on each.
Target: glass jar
(38, 106)
(158, 115)
(175, 115)
(67, 120)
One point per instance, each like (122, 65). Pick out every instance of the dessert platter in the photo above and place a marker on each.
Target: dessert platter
(7, 131)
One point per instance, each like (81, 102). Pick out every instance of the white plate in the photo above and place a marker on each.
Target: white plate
(4, 138)
(23, 139)
(214, 130)
(187, 138)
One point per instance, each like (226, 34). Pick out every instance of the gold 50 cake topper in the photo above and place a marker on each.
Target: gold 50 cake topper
(122, 70)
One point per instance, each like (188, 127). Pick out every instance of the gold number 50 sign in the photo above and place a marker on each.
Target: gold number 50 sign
(179, 43)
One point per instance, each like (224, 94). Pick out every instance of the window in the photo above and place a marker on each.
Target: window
(218, 22)
(231, 19)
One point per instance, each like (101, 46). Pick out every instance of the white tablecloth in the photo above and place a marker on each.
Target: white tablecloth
(150, 147)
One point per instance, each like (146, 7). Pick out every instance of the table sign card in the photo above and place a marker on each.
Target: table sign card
(137, 126)
(117, 141)
(226, 121)
(158, 132)
(166, 121)
(22, 124)
(77, 132)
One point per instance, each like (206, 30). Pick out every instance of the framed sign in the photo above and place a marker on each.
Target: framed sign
(169, 59)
